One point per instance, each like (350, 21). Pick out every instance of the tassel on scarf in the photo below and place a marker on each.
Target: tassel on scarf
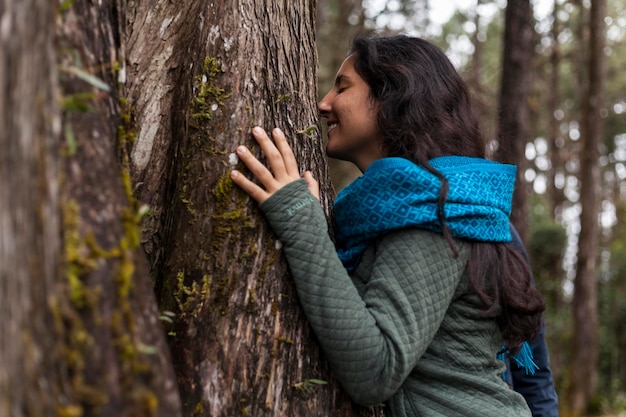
(523, 358)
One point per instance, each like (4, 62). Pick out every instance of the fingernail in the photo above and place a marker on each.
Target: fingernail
(234, 174)
(241, 149)
(257, 129)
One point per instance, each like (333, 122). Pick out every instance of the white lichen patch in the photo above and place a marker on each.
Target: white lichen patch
(214, 33)
(233, 159)
(164, 25)
(151, 118)
(228, 43)
(121, 75)
(212, 386)
(145, 139)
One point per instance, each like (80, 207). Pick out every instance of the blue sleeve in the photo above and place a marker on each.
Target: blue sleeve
(537, 389)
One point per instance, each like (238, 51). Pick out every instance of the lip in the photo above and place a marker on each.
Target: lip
(332, 125)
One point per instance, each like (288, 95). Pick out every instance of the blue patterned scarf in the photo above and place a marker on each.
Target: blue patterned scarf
(395, 193)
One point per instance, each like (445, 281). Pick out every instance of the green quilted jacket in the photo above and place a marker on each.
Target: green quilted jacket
(404, 328)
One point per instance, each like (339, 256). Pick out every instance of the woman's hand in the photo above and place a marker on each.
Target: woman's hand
(282, 163)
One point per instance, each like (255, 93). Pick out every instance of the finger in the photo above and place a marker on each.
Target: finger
(312, 184)
(255, 166)
(253, 190)
(289, 160)
(274, 157)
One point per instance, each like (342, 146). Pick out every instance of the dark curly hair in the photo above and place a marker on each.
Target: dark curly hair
(426, 111)
(425, 108)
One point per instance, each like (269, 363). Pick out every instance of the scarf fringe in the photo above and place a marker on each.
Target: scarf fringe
(523, 358)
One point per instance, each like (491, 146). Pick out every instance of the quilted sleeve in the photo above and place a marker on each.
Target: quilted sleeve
(372, 338)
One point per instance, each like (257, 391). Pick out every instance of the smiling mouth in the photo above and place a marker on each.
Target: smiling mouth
(331, 126)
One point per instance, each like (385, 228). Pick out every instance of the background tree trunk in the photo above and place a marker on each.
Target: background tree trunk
(477, 69)
(126, 368)
(556, 141)
(583, 366)
(513, 127)
(88, 339)
(29, 214)
(200, 76)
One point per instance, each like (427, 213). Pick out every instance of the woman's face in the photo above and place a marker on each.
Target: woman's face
(351, 117)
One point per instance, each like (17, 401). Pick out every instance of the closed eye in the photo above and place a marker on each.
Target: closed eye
(340, 83)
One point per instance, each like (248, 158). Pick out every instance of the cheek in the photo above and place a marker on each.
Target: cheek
(368, 117)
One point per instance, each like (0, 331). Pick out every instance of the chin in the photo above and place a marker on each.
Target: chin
(340, 154)
(334, 155)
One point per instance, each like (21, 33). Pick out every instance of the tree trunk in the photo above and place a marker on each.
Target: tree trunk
(475, 80)
(556, 142)
(200, 76)
(29, 214)
(513, 125)
(583, 366)
(84, 336)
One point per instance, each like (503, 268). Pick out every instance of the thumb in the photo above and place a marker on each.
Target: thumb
(312, 184)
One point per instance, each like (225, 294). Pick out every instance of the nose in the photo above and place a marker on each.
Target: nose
(324, 106)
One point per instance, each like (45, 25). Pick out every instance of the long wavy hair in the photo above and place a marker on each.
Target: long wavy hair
(426, 111)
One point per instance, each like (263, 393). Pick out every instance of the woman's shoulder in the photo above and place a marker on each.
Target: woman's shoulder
(431, 241)
(426, 250)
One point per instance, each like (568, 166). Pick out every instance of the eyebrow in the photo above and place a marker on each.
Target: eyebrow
(340, 78)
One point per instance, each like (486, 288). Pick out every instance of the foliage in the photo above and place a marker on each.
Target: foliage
(546, 247)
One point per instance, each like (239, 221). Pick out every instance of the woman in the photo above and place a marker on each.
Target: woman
(421, 292)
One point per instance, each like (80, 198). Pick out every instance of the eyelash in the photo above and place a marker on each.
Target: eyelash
(341, 90)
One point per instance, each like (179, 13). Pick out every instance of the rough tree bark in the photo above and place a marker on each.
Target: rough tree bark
(513, 124)
(29, 214)
(583, 376)
(83, 336)
(200, 75)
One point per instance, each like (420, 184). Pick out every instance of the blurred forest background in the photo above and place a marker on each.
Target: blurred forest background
(558, 141)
